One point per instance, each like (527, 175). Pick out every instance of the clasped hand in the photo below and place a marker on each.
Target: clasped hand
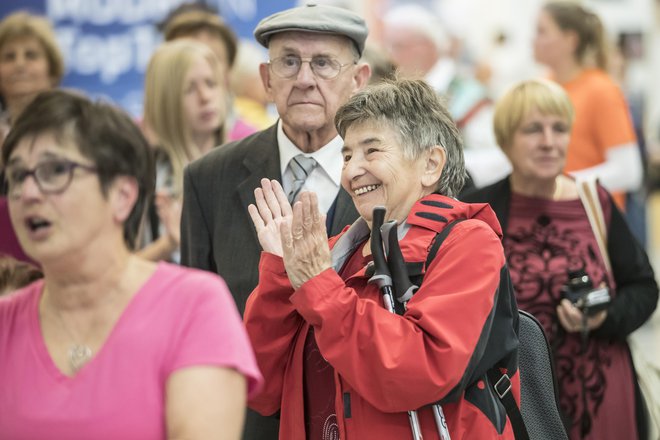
(297, 234)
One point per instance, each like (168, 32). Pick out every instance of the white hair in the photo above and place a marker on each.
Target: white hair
(420, 19)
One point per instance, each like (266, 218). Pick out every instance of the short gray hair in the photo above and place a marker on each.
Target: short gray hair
(414, 110)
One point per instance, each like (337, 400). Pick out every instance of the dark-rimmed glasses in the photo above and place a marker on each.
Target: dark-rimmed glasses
(324, 67)
(52, 176)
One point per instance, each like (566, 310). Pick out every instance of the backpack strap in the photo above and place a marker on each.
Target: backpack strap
(500, 382)
(437, 242)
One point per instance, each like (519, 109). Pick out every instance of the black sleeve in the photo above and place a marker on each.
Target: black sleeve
(195, 235)
(637, 291)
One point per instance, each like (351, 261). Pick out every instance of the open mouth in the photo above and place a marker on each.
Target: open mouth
(35, 224)
(365, 189)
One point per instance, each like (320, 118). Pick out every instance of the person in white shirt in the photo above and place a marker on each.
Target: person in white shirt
(416, 41)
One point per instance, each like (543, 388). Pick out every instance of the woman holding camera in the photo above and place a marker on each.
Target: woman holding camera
(553, 255)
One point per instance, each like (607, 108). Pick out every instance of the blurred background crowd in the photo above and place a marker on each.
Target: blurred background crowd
(469, 50)
(142, 54)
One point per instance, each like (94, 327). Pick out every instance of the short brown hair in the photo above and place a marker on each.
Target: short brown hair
(190, 22)
(588, 27)
(23, 24)
(101, 132)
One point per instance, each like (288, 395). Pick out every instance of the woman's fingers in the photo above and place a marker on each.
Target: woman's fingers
(569, 316)
(316, 215)
(280, 195)
(271, 198)
(287, 239)
(318, 219)
(256, 217)
(307, 208)
(262, 205)
(297, 221)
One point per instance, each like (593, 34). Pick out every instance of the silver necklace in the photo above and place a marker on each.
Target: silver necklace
(79, 355)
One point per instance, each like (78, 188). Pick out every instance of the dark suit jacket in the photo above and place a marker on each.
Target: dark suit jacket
(217, 233)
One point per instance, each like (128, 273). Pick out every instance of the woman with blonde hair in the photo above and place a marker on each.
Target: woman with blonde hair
(558, 261)
(184, 114)
(30, 62)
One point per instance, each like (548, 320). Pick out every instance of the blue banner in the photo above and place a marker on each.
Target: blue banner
(107, 43)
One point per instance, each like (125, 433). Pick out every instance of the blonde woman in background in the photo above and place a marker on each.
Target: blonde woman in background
(184, 113)
(30, 62)
(552, 252)
(198, 22)
(250, 101)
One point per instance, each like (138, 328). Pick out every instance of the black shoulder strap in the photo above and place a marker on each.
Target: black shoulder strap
(500, 382)
(442, 235)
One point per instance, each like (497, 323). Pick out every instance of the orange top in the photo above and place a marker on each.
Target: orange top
(602, 121)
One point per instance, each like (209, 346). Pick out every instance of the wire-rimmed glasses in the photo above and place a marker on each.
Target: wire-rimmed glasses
(324, 67)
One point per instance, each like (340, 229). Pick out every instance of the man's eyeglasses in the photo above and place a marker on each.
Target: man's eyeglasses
(324, 67)
(52, 177)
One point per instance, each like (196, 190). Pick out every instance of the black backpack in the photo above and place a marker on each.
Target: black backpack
(540, 417)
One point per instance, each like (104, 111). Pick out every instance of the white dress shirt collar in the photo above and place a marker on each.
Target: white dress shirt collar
(328, 157)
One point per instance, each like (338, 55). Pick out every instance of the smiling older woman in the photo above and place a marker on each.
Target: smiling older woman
(550, 244)
(107, 345)
(327, 347)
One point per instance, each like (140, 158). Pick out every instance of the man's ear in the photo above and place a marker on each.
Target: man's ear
(264, 73)
(124, 193)
(435, 160)
(361, 76)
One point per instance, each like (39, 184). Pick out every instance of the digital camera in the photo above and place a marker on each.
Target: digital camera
(580, 291)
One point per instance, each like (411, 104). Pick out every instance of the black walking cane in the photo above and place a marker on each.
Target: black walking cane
(384, 281)
(404, 290)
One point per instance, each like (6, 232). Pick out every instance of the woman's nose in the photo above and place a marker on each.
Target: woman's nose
(548, 136)
(353, 168)
(19, 60)
(204, 93)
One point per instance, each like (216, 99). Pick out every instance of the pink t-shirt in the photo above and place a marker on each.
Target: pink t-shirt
(240, 130)
(181, 317)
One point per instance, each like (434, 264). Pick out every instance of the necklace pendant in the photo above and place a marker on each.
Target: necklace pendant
(79, 355)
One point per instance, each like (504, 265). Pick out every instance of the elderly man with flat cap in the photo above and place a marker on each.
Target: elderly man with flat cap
(314, 68)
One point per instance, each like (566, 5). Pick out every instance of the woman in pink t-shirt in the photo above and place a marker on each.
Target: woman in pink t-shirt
(107, 345)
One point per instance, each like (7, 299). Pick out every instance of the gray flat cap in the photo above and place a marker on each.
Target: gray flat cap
(314, 18)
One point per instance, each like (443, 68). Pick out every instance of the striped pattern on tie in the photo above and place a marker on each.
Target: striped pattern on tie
(301, 166)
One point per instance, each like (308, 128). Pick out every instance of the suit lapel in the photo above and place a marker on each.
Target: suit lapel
(263, 161)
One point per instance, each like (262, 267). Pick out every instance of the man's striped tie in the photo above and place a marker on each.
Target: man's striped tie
(301, 166)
